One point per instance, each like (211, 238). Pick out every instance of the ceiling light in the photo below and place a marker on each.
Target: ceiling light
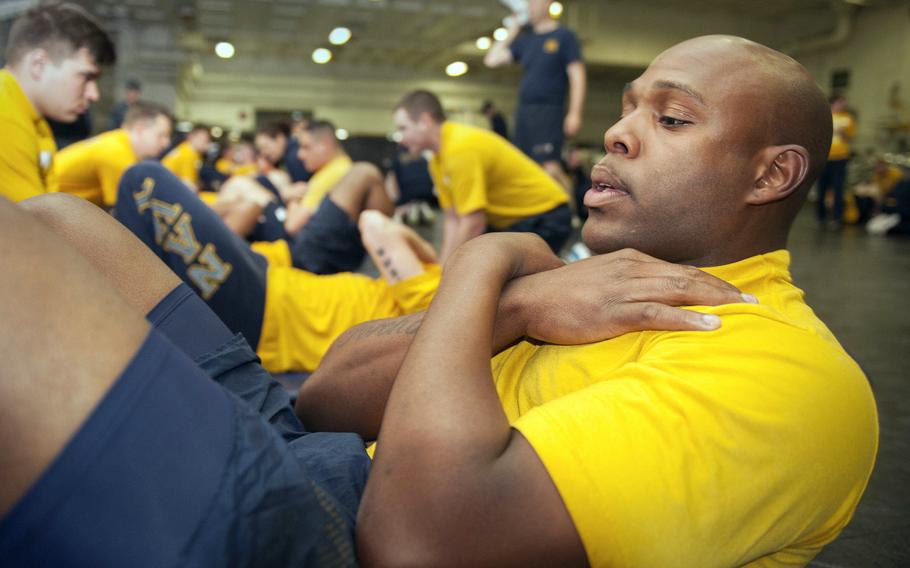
(339, 36)
(216, 131)
(456, 69)
(224, 49)
(322, 55)
(556, 10)
(341, 134)
(483, 43)
(500, 34)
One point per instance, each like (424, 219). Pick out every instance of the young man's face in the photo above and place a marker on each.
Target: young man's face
(679, 160)
(316, 150)
(152, 137)
(414, 133)
(271, 148)
(199, 140)
(67, 87)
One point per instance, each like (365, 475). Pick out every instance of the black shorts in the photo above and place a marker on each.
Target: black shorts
(329, 242)
(539, 131)
(172, 470)
(553, 226)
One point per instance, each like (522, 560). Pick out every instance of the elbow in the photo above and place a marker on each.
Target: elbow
(381, 545)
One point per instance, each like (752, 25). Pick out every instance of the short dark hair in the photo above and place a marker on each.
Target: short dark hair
(144, 110)
(274, 129)
(321, 127)
(61, 29)
(199, 128)
(422, 101)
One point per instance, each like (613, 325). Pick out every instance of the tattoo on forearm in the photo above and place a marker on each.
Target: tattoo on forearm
(405, 325)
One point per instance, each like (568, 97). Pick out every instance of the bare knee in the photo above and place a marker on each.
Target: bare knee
(367, 172)
(56, 210)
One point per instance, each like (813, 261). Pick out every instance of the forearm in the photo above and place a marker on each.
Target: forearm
(349, 390)
(460, 230)
(578, 84)
(501, 53)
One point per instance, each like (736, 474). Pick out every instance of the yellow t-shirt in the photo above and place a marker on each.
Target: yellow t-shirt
(305, 312)
(185, 162)
(749, 445)
(27, 145)
(324, 180)
(92, 168)
(476, 169)
(886, 180)
(840, 143)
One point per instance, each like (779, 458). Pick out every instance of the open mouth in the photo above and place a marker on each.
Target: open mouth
(605, 187)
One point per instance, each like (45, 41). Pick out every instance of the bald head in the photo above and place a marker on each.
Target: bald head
(718, 131)
(781, 101)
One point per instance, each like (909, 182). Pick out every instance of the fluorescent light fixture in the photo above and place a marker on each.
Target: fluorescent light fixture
(500, 34)
(456, 69)
(224, 49)
(556, 10)
(322, 55)
(340, 36)
(483, 43)
(342, 134)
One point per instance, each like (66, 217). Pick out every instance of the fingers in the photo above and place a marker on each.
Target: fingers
(651, 316)
(651, 279)
(684, 290)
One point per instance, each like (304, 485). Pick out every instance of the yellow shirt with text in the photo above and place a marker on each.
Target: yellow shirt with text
(91, 169)
(476, 169)
(749, 445)
(27, 145)
(184, 161)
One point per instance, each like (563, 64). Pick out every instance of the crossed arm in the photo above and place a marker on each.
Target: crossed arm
(452, 483)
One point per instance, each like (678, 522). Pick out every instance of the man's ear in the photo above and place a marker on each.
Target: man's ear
(783, 170)
(35, 62)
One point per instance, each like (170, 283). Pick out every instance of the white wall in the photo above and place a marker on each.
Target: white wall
(877, 53)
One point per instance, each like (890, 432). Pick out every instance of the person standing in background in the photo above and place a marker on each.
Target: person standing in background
(834, 176)
(132, 93)
(553, 69)
(497, 121)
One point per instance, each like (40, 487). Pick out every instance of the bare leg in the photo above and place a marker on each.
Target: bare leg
(396, 249)
(134, 270)
(360, 190)
(66, 335)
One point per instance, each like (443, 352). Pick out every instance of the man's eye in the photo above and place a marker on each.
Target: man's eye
(670, 121)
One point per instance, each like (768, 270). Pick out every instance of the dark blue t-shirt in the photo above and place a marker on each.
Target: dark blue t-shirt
(293, 164)
(544, 58)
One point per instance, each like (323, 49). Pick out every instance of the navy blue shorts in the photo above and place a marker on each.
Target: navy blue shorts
(554, 226)
(271, 225)
(539, 131)
(194, 242)
(171, 470)
(187, 463)
(329, 243)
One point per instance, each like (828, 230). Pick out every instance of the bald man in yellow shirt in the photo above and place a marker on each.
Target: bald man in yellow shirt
(91, 169)
(590, 441)
(51, 71)
(483, 182)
